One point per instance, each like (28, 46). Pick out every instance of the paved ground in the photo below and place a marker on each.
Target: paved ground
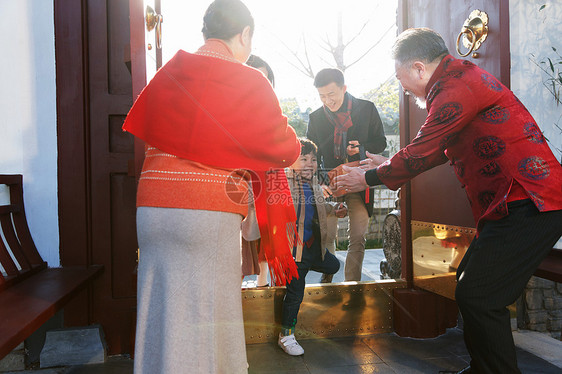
(381, 353)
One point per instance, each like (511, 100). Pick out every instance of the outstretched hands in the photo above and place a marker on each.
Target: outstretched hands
(354, 178)
(372, 161)
(352, 181)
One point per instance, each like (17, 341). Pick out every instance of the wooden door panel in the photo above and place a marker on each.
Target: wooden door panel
(118, 36)
(447, 17)
(112, 190)
(97, 195)
(436, 195)
(123, 254)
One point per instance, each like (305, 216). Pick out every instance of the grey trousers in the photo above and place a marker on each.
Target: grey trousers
(358, 225)
(331, 234)
(189, 309)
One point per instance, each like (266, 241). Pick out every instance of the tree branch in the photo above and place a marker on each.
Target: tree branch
(356, 35)
(373, 46)
(306, 69)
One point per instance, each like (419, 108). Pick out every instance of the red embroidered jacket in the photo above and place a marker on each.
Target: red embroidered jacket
(490, 138)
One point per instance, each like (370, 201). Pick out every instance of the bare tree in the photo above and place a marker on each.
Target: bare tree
(336, 51)
(304, 65)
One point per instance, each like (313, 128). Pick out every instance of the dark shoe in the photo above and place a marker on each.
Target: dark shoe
(326, 278)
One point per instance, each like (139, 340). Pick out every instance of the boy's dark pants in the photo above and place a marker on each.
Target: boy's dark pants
(492, 275)
(311, 260)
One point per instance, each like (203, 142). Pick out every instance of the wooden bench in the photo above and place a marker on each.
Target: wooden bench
(30, 292)
(551, 267)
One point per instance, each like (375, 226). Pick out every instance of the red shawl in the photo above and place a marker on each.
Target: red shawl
(224, 114)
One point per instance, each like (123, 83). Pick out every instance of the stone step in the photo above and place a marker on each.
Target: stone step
(73, 346)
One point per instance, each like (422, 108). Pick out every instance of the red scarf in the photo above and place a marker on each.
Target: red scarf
(222, 113)
(342, 122)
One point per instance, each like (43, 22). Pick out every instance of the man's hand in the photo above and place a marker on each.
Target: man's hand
(353, 181)
(341, 210)
(326, 191)
(353, 147)
(372, 161)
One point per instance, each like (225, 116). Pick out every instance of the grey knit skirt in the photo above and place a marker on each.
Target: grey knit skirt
(189, 309)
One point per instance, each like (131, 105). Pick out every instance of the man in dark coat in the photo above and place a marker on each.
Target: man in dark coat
(345, 129)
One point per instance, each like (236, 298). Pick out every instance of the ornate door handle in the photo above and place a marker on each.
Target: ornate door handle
(154, 20)
(473, 32)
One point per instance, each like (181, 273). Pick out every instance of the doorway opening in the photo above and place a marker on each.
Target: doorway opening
(298, 39)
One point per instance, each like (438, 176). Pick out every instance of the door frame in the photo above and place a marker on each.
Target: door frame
(406, 128)
(73, 128)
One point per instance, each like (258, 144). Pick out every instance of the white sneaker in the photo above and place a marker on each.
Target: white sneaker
(290, 345)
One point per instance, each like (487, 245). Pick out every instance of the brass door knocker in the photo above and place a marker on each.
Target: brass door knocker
(473, 32)
(154, 20)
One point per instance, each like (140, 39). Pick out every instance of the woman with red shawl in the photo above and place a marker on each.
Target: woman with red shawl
(205, 117)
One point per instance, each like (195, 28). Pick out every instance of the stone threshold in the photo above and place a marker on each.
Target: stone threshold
(539, 344)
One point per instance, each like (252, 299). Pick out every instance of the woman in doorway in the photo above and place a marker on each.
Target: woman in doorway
(203, 117)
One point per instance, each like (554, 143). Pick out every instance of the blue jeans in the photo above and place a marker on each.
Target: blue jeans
(311, 260)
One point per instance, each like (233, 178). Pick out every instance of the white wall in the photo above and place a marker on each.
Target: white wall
(28, 142)
(535, 32)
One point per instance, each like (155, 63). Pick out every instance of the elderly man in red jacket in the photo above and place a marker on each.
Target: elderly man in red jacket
(511, 178)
